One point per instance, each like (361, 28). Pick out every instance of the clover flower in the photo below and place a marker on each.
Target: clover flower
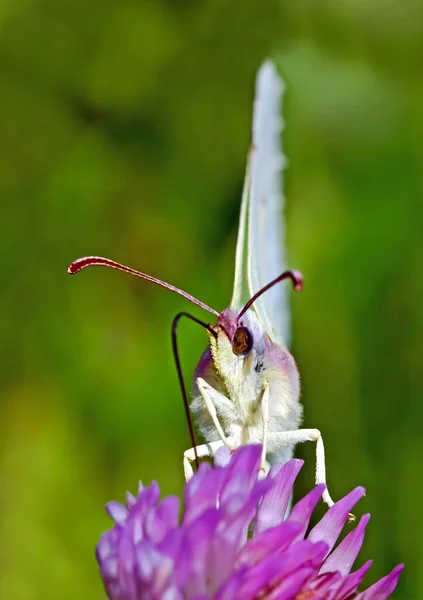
(234, 540)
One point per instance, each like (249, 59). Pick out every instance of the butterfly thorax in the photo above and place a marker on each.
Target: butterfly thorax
(241, 375)
(241, 380)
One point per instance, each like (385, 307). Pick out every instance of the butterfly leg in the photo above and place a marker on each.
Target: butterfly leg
(212, 399)
(276, 441)
(203, 450)
(265, 417)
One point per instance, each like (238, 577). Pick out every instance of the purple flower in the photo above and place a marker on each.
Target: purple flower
(234, 540)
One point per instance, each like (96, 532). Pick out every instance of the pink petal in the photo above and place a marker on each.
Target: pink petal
(276, 539)
(383, 588)
(343, 557)
(331, 524)
(349, 584)
(273, 507)
(302, 511)
(117, 511)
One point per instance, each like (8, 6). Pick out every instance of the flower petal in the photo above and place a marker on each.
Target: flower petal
(106, 546)
(154, 571)
(222, 457)
(250, 583)
(117, 511)
(242, 471)
(323, 583)
(331, 524)
(383, 588)
(297, 568)
(349, 584)
(130, 500)
(194, 554)
(343, 557)
(232, 532)
(292, 585)
(276, 539)
(273, 507)
(159, 521)
(202, 491)
(303, 509)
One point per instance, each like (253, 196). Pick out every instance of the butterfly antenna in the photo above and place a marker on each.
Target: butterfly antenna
(92, 261)
(297, 282)
(180, 376)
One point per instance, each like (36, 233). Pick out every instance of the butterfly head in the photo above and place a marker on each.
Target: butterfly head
(239, 335)
(237, 340)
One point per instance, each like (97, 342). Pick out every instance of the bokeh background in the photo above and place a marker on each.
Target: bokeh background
(123, 132)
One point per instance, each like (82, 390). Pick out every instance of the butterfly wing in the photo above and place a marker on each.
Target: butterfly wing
(266, 245)
(260, 246)
(241, 292)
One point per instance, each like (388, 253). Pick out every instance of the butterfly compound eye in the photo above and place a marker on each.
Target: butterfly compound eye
(242, 342)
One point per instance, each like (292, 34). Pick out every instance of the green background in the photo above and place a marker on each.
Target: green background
(123, 132)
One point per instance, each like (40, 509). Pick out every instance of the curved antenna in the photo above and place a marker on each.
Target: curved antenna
(91, 261)
(180, 376)
(297, 281)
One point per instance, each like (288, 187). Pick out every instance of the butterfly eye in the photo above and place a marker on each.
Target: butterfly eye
(242, 342)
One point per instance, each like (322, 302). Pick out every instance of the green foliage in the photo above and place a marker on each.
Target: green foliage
(124, 129)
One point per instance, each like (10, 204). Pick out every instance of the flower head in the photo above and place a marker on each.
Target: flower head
(235, 540)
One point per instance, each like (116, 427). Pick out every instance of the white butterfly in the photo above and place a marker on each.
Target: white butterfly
(246, 384)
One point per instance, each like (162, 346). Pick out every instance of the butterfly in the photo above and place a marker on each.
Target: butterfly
(246, 386)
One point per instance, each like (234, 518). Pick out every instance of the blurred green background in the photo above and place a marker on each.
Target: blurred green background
(123, 132)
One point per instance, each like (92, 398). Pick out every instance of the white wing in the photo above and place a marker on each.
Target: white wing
(260, 246)
(241, 292)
